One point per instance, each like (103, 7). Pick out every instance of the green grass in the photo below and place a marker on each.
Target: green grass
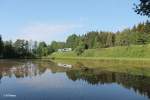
(64, 54)
(133, 59)
(134, 52)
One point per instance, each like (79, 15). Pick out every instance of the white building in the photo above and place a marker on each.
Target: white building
(65, 50)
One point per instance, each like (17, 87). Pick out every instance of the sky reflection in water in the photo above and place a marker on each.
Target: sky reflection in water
(45, 80)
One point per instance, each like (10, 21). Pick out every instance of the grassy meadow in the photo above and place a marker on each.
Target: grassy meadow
(133, 52)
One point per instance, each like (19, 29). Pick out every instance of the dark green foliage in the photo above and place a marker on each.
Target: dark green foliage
(9, 51)
(110, 40)
(98, 39)
(73, 41)
(24, 49)
(90, 39)
(143, 38)
(21, 48)
(147, 27)
(123, 38)
(80, 49)
(1, 46)
(42, 49)
(143, 8)
(138, 35)
(57, 45)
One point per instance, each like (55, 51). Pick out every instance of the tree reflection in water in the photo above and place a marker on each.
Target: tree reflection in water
(138, 83)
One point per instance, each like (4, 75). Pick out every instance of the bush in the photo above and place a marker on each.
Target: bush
(79, 50)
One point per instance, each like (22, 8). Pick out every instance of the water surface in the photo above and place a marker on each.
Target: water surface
(46, 80)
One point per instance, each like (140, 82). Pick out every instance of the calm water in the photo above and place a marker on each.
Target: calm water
(45, 80)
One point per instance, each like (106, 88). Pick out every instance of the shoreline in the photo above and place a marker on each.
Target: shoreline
(100, 58)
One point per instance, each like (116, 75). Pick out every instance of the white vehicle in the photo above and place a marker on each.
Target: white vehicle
(65, 50)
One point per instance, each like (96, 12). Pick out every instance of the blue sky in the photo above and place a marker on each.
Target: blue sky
(47, 20)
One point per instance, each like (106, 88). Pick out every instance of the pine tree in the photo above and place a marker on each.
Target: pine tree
(1, 46)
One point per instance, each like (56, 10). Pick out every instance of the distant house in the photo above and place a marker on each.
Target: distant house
(65, 50)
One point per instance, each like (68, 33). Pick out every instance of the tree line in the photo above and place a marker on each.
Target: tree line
(23, 49)
(137, 35)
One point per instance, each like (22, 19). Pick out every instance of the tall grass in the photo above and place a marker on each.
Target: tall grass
(133, 51)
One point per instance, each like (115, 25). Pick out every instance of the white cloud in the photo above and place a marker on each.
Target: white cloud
(46, 32)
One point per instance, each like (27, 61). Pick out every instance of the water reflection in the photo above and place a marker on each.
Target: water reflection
(27, 69)
(138, 83)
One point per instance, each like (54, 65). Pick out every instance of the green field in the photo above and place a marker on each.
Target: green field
(133, 52)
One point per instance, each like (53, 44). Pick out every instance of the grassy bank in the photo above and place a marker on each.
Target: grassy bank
(134, 52)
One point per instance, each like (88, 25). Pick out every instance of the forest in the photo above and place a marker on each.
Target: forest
(137, 35)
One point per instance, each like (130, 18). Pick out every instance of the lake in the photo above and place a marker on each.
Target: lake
(70, 80)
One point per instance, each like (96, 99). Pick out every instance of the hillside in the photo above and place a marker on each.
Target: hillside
(133, 51)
